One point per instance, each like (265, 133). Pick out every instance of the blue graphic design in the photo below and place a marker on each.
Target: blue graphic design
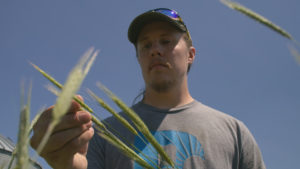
(181, 145)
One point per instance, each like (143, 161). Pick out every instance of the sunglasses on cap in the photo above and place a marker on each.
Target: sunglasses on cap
(168, 12)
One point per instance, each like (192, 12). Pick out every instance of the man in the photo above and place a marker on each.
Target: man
(193, 135)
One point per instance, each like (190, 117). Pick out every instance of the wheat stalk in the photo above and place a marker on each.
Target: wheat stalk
(113, 112)
(14, 153)
(107, 135)
(100, 126)
(248, 12)
(21, 150)
(60, 86)
(111, 138)
(70, 88)
(295, 53)
(138, 122)
(122, 120)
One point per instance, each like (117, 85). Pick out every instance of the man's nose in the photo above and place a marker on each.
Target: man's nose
(156, 49)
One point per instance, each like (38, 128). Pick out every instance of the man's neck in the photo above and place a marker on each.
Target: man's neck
(172, 98)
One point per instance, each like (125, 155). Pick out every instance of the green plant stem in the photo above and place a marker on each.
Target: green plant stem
(138, 122)
(248, 12)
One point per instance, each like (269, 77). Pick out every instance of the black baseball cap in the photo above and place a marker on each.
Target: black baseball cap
(158, 14)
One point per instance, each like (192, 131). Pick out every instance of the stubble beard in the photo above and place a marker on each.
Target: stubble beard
(162, 87)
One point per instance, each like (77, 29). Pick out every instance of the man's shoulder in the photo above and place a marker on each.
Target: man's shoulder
(207, 110)
(214, 115)
(193, 110)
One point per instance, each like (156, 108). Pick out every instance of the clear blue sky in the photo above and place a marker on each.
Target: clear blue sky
(242, 68)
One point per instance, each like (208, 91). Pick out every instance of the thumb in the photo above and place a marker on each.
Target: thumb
(75, 106)
(79, 97)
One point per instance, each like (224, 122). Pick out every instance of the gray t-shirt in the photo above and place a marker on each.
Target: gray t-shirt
(195, 136)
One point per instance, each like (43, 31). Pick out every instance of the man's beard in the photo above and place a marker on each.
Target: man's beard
(162, 87)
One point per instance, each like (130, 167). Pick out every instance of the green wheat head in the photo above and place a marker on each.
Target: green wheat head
(257, 17)
(64, 99)
(248, 12)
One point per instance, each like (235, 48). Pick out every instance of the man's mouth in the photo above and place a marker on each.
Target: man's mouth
(158, 66)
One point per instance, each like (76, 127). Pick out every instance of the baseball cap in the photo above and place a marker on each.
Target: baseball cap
(158, 14)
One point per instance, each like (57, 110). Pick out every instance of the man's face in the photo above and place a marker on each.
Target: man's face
(163, 56)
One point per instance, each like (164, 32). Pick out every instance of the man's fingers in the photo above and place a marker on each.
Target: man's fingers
(74, 107)
(69, 140)
(71, 154)
(73, 120)
(43, 122)
(40, 127)
(46, 117)
(80, 97)
(78, 144)
(60, 139)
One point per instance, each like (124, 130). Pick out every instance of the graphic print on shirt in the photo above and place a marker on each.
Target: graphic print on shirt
(183, 148)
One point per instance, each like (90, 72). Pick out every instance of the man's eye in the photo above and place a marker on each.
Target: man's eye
(147, 45)
(165, 41)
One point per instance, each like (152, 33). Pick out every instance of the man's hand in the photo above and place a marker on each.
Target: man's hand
(68, 144)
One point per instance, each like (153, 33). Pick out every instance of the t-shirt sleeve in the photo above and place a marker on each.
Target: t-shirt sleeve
(95, 154)
(251, 157)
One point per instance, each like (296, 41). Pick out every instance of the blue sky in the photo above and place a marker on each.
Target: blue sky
(242, 68)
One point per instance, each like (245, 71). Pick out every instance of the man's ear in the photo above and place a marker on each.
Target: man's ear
(192, 53)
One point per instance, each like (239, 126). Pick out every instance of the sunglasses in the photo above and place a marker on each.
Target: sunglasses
(173, 15)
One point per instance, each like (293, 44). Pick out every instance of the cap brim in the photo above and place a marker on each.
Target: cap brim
(140, 21)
